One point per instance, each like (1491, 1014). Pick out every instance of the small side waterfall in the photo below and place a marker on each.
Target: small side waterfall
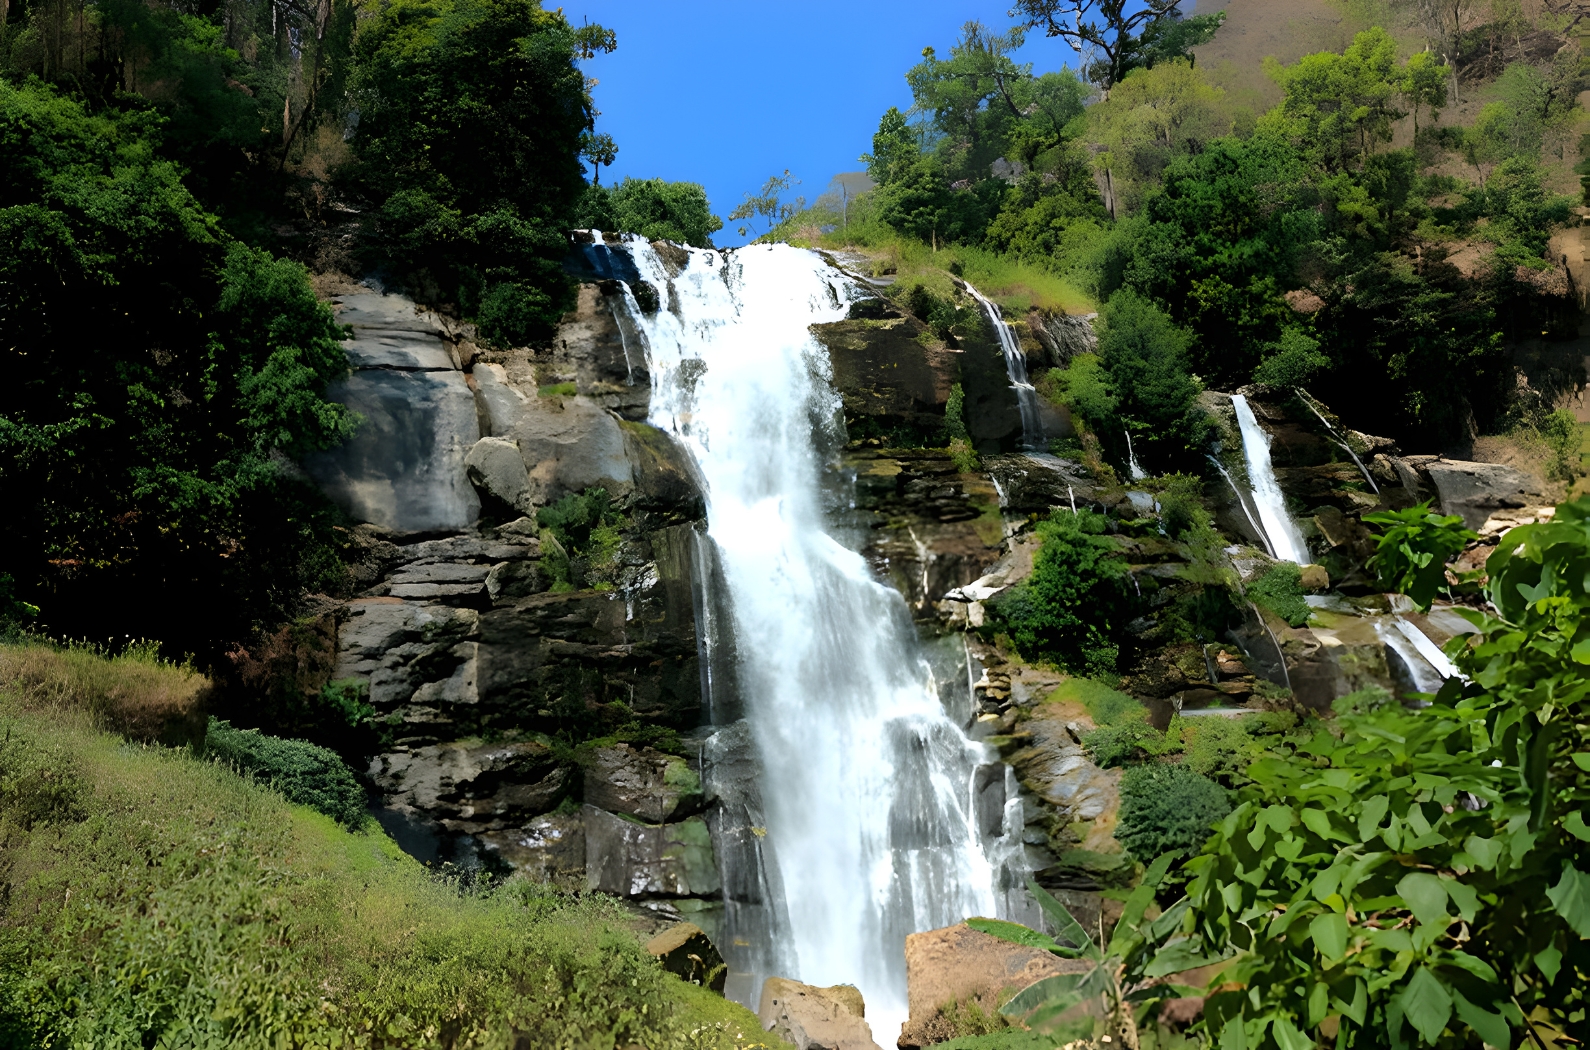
(879, 817)
(1286, 542)
(1132, 467)
(1032, 435)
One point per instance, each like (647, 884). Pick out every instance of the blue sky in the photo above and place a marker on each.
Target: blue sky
(726, 94)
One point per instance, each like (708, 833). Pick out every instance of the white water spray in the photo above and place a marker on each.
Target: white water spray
(1286, 542)
(868, 788)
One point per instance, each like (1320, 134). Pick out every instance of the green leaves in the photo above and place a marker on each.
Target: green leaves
(1329, 932)
(1016, 933)
(1426, 1004)
(1571, 897)
(1413, 549)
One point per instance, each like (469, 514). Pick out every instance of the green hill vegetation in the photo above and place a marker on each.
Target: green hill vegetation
(152, 896)
(1366, 235)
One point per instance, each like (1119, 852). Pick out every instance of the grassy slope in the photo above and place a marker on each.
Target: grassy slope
(149, 898)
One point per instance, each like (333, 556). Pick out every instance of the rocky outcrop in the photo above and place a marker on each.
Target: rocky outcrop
(480, 664)
(685, 951)
(957, 967)
(812, 1018)
(403, 469)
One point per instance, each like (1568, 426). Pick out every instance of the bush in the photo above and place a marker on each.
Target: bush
(1218, 747)
(1115, 745)
(1412, 551)
(304, 773)
(1279, 590)
(513, 314)
(653, 208)
(584, 528)
(1168, 807)
(1072, 608)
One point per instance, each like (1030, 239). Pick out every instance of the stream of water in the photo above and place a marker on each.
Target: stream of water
(1286, 542)
(1032, 435)
(868, 790)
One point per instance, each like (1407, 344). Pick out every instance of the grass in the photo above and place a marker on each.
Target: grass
(150, 898)
(1106, 706)
(1016, 286)
(133, 692)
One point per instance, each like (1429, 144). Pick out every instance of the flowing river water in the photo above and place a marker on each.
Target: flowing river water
(867, 788)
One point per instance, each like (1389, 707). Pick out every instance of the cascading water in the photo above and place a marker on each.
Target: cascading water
(1132, 467)
(871, 796)
(1032, 436)
(1286, 542)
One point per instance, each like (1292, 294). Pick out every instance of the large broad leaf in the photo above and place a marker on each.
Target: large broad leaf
(1063, 988)
(1330, 935)
(1016, 933)
(1426, 1004)
(1073, 939)
(1179, 957)
(1426, 898)
(1571, 898)
(1490, 1027)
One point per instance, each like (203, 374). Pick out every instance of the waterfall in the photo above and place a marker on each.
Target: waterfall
(868, 790)
(1132, 467)
(1286, 542)
(1032, 437)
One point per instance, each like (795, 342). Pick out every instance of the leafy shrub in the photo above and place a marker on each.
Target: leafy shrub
(1413, 549)
(1451, 840)
(947, 320)
(304, 773)
(512, 314)
(585, 532)
(1073, 606)
(1278, 589)
(1115, 745)
(1218, 747)
(1168, 807)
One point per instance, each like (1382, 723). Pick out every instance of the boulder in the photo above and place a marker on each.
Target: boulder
(642, 783)
(570, 444)
(1476, 491)
(498, 471)
(685, 951)
(630, 859)
(472, 782)
(881, 369)
(957, 965)
(1314, 578)
(549, 848)
(812, 1018)
(497, 401)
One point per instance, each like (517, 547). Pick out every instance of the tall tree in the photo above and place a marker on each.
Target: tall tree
(1115, 40)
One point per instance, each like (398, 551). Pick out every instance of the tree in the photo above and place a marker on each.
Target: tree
(895, 147)
(163, 377)
(665, 211)
(768, 204)
(1145, 354)
(1340, 106)
(1123, 40)
(1425, 84)
(1153, 116)
(599, 150)
(472, 114)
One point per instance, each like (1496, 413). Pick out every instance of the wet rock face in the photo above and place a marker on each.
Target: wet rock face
(403, 467)
(629, 859)
(886, 371)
